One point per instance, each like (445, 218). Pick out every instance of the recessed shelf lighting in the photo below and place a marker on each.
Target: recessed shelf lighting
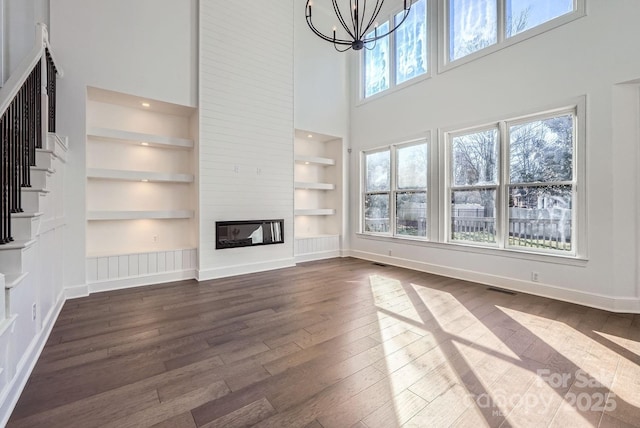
(309, 135)
(144, 143)
(144, 180)
(306, 163)
(146, 105)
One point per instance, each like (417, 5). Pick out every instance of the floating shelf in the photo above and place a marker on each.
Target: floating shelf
(316, 160)
(139, 138)
(320, 211)
(314, 186)
(135, 215)
(122, 175)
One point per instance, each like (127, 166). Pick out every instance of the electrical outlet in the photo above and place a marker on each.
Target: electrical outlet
(534, 276)
(155, 238)
(33, 312)
(389, 252)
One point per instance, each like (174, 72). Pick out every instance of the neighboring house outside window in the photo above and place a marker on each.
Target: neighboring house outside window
(525, 202)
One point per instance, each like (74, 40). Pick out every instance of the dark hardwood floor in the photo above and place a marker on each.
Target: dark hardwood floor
(337, 343)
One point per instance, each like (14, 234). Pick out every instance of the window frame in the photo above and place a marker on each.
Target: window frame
(579, 203)
(431, 20)
(394, 191)
(573, 182)
(364, 193)
(444, 61)
(450, 187)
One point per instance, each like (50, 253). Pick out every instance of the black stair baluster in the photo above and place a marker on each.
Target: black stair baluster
(24, 137)
(51, 92)
(3, 182)
(21, 134)
(38, 106)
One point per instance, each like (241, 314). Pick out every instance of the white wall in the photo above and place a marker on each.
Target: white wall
(321, 78)
(321, 100)
(19, 29)
(586, 57)
(146, 48)
(246, 129)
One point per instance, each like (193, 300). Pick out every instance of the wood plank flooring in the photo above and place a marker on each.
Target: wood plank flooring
(336, 343)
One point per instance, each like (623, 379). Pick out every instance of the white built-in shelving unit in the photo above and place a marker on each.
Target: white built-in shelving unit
(141, 195)
(318, 195)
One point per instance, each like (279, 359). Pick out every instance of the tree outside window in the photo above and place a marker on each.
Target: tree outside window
(541, 183)
(474, 186)
(533, 209)
(377, 185)
(395, 190)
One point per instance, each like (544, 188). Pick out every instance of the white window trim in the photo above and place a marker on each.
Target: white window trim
(448, 186)
(561, 259)
(579, 211)
(432, 20)
(363, 187)
(432, 196)
(445, 64)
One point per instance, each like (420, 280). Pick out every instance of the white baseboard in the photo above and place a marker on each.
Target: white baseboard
(308, 257)
(223, 272)
(134, 281)
(76, 291)
(599, 301)
(25, 366)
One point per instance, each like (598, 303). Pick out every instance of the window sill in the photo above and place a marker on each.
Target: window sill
(447, 64)
(361, 100)
(467, 248)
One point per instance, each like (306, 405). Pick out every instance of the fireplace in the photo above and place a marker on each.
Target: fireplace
(249, 233)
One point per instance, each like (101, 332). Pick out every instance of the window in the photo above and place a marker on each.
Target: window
(376, 74)
(384, 69)
(411, 43)
(526, 201)
(525, 14)
(395, 190)
(411, 190)
(474, 185)
(474, 25)
(377, 186)
(541, 183)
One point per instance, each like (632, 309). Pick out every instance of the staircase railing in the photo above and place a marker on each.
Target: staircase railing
(30, 91)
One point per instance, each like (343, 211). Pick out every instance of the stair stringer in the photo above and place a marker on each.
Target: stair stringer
(31, 275)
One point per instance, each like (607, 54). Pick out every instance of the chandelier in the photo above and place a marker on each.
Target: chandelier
(357, 22)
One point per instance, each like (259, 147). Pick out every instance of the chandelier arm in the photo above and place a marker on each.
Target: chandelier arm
(320, 34)
(374, 15)
(336, 9)
(357, 17)
(341, 50)
(371, 39)
(327, 38)
(375, 43)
